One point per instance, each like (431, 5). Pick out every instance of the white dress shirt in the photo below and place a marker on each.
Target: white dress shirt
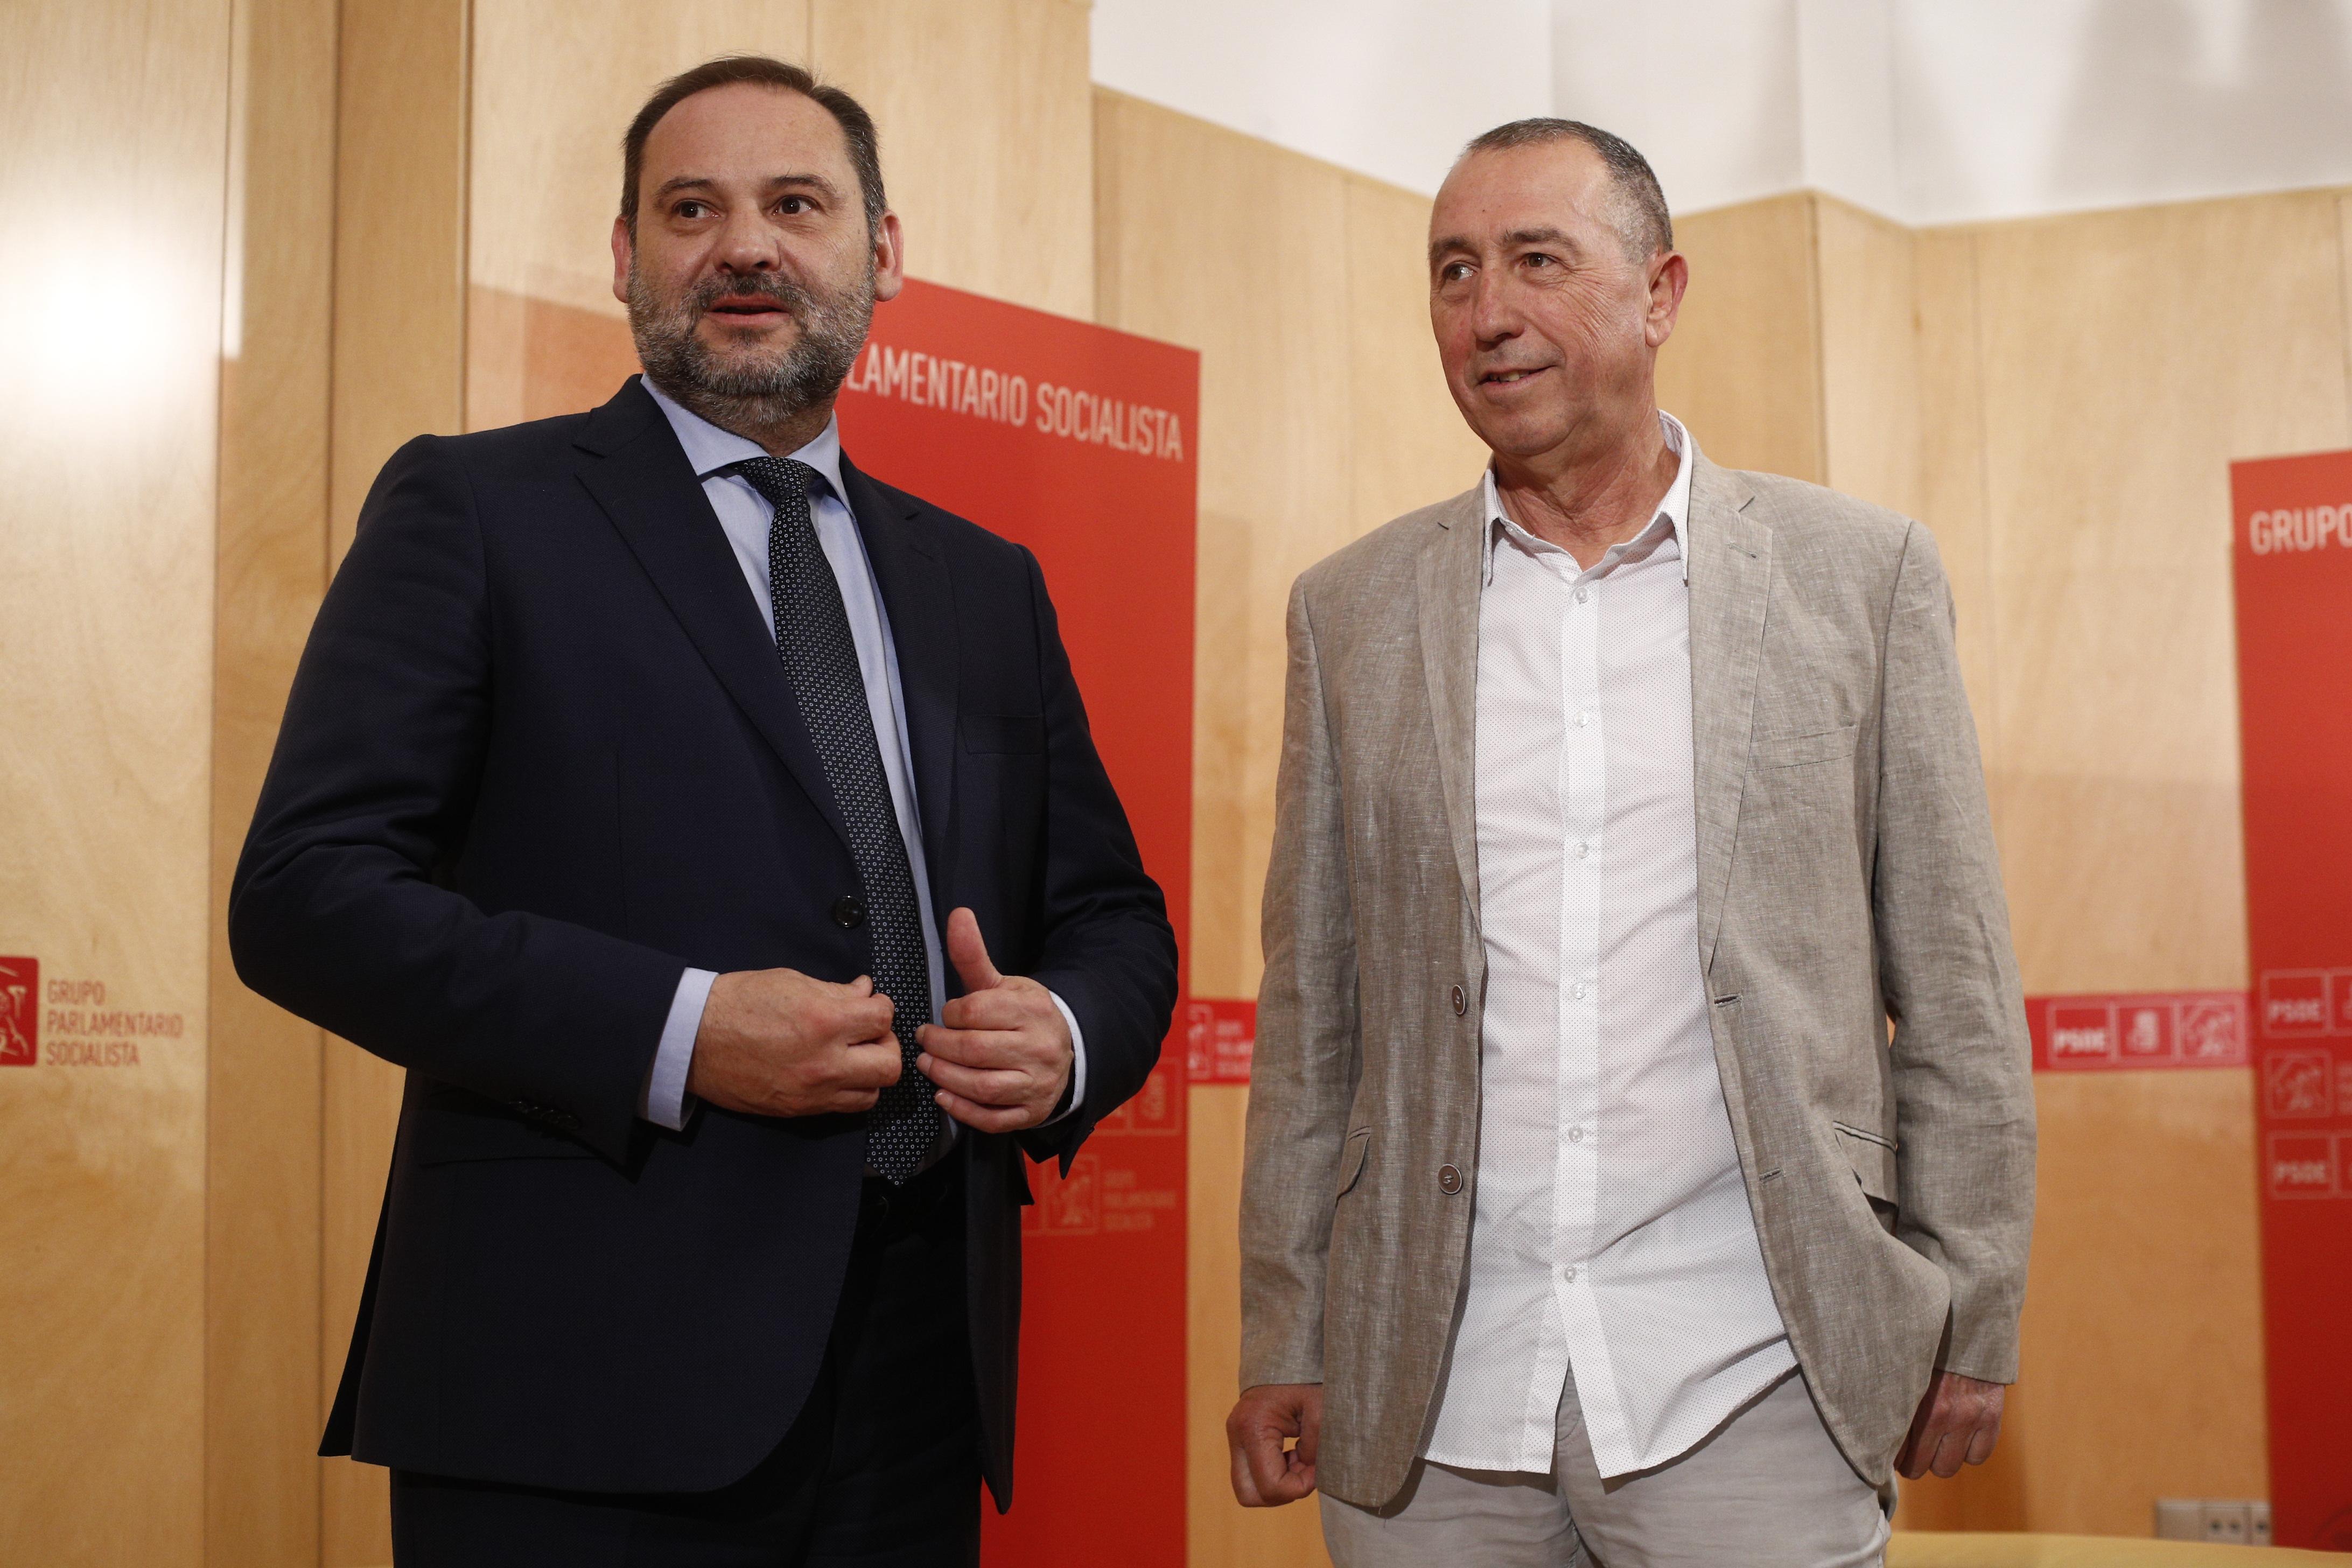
(1612, 1237)
(746, 515)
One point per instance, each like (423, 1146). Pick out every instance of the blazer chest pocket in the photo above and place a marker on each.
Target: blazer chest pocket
(1003, 734)
(1795, 750)
(1872, 1159)
(1351, 1158)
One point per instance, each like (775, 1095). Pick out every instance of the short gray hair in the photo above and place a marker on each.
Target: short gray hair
(1642, 221)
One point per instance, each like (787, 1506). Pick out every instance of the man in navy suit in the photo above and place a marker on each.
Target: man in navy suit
(663, 793)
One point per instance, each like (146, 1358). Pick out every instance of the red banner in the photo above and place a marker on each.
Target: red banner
(1220, 1038)
(2293, 553)
(1079, 442)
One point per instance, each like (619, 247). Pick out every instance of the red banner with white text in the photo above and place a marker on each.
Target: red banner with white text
(1079, 442)
(2293, 553)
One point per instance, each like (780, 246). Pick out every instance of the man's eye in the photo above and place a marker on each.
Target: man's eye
(1454, 272)
(794, 205)
(690, 209)
(1538, 259)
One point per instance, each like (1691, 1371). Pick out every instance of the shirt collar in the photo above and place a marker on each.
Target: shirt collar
(709, 449)
(1672, 520)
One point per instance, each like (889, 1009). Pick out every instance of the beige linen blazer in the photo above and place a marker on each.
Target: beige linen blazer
(1846, 878)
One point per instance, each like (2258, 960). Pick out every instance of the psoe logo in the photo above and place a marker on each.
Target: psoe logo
(2294, 1002)
(2301, 1165)
(20, 1012)
(2081, 1032)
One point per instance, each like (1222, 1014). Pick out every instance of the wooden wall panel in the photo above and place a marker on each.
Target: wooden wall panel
(985, 116)
(114, 113)
(1743, 370)
(2128, 357)
(262, 1174)
(1869, 347)
(399, 371)
(1950, 454)
(554, 85)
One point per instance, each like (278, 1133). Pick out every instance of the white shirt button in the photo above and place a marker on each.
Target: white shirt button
(1576, 1135)
(1583, 594)
(1584, 851)
(1568, 1274)
(1582, 990)
(1584, 721)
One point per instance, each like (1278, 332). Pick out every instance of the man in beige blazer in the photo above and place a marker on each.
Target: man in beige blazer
(1592, 1212)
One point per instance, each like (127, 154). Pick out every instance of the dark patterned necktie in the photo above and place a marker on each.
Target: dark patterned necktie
(821, 659)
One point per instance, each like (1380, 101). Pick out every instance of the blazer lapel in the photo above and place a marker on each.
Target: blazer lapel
(639, 475)
(1450, 576)
(1730, 558)
(918, 597)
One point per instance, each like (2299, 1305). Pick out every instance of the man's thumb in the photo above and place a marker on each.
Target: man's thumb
(970, 953)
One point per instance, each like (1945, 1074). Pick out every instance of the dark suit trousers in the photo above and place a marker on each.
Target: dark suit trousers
(881, 1469)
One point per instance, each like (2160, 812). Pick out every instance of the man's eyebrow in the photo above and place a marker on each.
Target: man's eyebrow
(676, 183)
(1439, 248)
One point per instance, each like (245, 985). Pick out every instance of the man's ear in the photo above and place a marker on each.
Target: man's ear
(623, 250)
(889, 258)
(1669, 276)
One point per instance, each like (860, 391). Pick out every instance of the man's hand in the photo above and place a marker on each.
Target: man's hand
(1265, 1474)
(1002, 1055)
(774, 1042)
(1958, 1420)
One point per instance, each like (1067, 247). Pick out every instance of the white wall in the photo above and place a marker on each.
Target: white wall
(1388, 87)
(1929, 110)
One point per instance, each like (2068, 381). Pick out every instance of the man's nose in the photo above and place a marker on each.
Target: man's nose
(748, 244)
(1494, 315)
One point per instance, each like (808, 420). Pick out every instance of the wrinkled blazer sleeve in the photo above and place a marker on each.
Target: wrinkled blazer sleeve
(1962, 1064)
(1307, 1058)
(339, 909)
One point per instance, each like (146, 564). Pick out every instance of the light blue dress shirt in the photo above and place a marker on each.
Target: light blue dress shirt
(746, 515)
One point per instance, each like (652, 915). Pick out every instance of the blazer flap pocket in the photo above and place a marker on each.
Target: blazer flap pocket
(1351, 1158)
(1819, 746)
(1872, 1159)
(445, 1133)
(1002, 733)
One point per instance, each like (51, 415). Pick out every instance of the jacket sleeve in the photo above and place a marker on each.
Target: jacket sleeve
(1106, 948)
(1303, 1075)
(1962, 1061)
(341, 908)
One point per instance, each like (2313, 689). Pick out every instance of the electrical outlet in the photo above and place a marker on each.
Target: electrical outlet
(2227, 1522)
(2235, 1521)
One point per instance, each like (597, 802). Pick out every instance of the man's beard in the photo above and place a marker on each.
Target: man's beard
(750, 389)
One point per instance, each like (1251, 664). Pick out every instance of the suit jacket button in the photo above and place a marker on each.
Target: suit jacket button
(849, 911)
(1449, 1180)
(1461, 1005)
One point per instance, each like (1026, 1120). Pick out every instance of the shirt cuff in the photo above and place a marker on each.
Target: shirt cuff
(664, 1101)
(1078, 1064)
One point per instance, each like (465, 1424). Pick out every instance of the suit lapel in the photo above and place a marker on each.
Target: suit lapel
(1731, 556)
(918, 598)
(637, 472)
(1447, 592)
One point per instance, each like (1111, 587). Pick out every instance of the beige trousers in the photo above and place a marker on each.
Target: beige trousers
(1768, 1488)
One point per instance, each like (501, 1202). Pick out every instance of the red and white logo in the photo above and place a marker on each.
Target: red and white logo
(2144, 1031)
(1067, 1205)
(2301, 1165)
(2296, 1083)
(2080, 1033)
(20, 1012)
(2294, 1002)
(2212, 1032)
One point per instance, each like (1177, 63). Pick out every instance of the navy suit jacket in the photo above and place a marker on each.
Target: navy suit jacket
(540, 758)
